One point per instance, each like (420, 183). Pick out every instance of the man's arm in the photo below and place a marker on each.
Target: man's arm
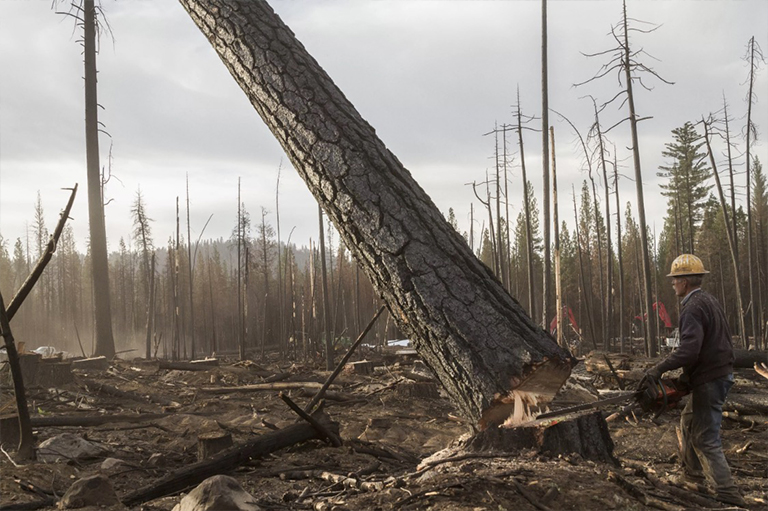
(691, 337)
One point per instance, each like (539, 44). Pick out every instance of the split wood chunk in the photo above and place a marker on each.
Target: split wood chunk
(583, 434)
(361, 367)
(209, 444)
(91, 364)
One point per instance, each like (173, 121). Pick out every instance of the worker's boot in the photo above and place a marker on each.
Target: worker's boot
(731, 496)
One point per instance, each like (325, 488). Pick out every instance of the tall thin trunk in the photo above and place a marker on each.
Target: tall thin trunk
(618, 251)
(527, 210)
(603, 298)
(502, 273)
(558, 290)
(732, 238)
(326, 300)
(581, 273)
(734, 229)
(150, 308)
(608, 329)
(191, 282)
(105, 343)
(547, 281)
(651, 347)
(213, 309)
(240, 336)
(754, 298)
(281, 318)
(508, 251)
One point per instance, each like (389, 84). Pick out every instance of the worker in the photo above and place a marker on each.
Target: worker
(706, 356)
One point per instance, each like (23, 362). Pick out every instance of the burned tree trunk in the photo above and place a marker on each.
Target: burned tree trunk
(469, 330)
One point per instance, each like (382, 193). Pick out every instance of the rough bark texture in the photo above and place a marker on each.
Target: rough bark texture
(467, 328)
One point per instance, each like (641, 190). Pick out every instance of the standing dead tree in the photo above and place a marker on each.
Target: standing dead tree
(732, 235)
(755, 59)
(468, 329)
(526, 205)
(105, 343)
(629, 70)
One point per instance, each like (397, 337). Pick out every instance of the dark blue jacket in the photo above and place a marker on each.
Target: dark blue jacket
(706, 351)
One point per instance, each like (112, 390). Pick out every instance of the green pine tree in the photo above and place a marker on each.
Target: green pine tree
(686, 185)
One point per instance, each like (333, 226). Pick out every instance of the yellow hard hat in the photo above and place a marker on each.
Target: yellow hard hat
(687, 264)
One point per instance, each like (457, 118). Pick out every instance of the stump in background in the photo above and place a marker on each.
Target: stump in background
(209, 444)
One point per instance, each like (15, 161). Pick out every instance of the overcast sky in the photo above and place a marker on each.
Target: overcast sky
(430, 76)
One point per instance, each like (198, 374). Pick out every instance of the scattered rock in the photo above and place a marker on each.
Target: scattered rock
(67, 446)
(111, 464)
(90, 491)
(157, 460)
(218, 493)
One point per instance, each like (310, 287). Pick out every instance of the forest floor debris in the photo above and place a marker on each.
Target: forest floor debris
(386, 433)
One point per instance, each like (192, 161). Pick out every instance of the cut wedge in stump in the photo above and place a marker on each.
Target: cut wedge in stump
(585, 434)
(475, 337)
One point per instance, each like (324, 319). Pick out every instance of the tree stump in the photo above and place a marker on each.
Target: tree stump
(53, 373)
(585, 434)
(9, 430)
(209, 444)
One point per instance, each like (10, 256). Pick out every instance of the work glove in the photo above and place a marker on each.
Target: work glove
(654, 373)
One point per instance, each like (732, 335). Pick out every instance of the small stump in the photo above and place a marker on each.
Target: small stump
(9, 431)
(209, 444)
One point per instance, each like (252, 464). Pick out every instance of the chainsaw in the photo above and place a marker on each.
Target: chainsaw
(653, 396)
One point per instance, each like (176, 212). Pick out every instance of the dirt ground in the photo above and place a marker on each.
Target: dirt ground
(387, 431)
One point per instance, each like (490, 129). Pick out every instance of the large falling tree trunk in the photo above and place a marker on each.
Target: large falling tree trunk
(105, 343)
(468, 329)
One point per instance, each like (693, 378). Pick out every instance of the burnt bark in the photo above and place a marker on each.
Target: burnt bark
(467, 328)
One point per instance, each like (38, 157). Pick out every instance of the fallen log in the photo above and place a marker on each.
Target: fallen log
(228, 459)
(333, 396)
(93, 420)
(195, 365)
(748, 358)
(262, 386)
(109, 390)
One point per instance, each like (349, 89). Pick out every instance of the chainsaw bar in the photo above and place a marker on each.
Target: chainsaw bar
(588, 406)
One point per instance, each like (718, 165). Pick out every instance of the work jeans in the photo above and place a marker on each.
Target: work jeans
(700, 425)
